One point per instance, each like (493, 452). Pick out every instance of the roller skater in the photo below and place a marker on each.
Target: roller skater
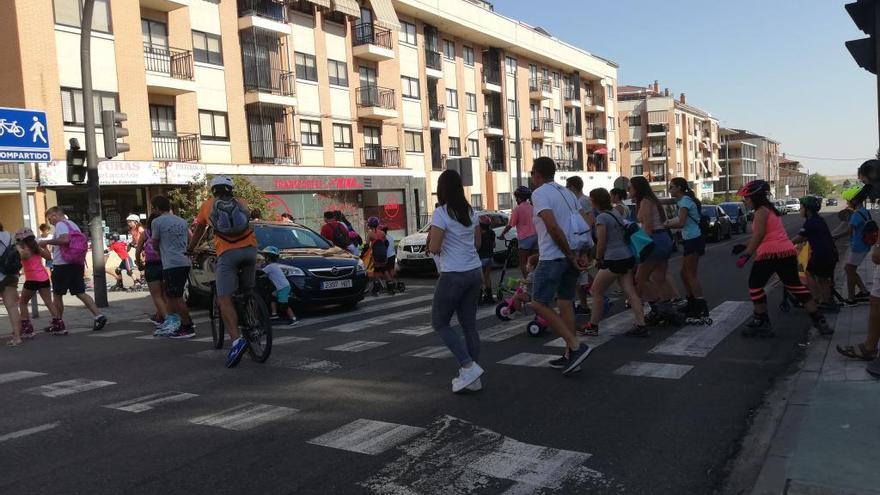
(692, 232)
(698, 313)
(664, 314)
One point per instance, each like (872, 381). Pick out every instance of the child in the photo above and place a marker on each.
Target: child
(487, 249)
(46, 235)
(121, 250)
(525, 296)
(277, 273)
(390, 264)
(823, 253)
(36, 278)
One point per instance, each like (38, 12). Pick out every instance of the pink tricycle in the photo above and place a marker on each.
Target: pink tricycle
(518, 301)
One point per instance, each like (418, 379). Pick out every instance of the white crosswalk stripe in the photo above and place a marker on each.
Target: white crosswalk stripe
(529, 359)
(68, 387)
(288, 339)
(114, 333)
(432, 352)
(415, 331)
(28, 431)
(654, 370)
(363, 312)
(502, 331)
(366, 436)
(355, 326)
(15, 376)
(698, 341)
(357, 346)
(245, 416)
(609, 328)
(148, 402)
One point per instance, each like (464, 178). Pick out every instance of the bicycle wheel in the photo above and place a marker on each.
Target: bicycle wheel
(218, 331)
(257, 328)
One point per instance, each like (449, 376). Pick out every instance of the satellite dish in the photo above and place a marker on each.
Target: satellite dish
(621, 183)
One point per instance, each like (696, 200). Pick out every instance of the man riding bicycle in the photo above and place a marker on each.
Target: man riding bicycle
(236, 247)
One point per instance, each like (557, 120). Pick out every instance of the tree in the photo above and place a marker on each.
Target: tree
(189, 198)
(846, 184)
(820, 185)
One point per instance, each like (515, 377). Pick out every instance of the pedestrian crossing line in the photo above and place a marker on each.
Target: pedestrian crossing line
(202, 339)
(68, 387)
(148, 402)
(289, 339)
(114, 333)
(366, 436)
(245, 417)
(654, 370)
(698, 341)
(356, 346)
(192, 314)
(362, 324)
(15, 376)
(609, 328)
(529, 359)
(501, 332)
(360, 313)
(279, 361)
(28, 431)
(431, 352)
(417, 331)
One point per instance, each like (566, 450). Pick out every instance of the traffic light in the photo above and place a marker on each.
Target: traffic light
(76, 163)
(866, 14)
(111, 124)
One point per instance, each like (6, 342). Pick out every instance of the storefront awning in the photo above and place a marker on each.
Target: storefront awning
(601, 151)
(347, 7)
(321, 3)
(385, 15)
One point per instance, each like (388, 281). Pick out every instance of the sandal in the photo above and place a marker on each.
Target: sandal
(638, 331)
(858, 352)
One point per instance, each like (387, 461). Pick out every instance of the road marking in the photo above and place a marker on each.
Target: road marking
(148, 402)
(202, 339)
(501, 332)
(114, 333)
(356, 346)
(609, 328)
(529, 359)
(654, 370)
(28, 431)
(366, 436)
(393, 317)
(15, 376)
(245, 416)
(276, 361)
(698, 341)
(414, 331)
(361, 312)
(290, 339)
(431, 352)
(68, 387)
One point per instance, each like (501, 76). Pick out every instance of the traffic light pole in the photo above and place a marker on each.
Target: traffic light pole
(96, 227)
(877, 58)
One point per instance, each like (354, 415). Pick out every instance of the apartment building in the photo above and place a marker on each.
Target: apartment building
(325, 104)
(663, 137)
(738, 159)
(760, 149)
(793, 183)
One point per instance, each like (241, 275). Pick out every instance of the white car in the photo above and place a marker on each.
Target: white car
(411, 254)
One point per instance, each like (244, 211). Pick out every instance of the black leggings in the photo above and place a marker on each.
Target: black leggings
(787, 269)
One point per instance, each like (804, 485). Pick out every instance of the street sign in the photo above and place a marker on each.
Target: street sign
(24, 135)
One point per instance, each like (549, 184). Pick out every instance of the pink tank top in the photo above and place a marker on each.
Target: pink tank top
(776, 243)
(34, 271)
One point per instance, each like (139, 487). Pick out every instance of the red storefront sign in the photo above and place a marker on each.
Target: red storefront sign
(333, 183)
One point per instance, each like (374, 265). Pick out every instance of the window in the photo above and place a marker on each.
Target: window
(473, 147)
(510, 65)
(548, 150)
(610, 123)
(310, 132)
(409, 87)
(467, 53)
(451, 98)
(471, 99)
(342, 136)
(338, 72)
(613, 154)
(206, 48)
(536, 149)
(477, 201)
(155, 35)
(69, 13)
(635, 146)
(162, 120)
(72, 105)
(609, 93)
(305, 67)
(454, 146)
(449, 50)
(503, 201)
(407, 33)
(546, 111)
(511, 108)
(557, 116)
(556, 79)
(213, 126)
(634, 120)
(412, 141)
(513, 149)
(559, 152)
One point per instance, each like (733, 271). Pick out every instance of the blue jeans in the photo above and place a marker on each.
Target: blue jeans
(457, 293)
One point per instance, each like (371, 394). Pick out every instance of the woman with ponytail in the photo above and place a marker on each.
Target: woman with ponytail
(689, 207)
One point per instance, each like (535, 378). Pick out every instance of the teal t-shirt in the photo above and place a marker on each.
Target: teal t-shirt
(691, 229)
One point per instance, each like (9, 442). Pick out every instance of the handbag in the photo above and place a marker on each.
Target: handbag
(640, 243)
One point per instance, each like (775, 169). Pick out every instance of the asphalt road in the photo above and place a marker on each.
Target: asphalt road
(113, 412)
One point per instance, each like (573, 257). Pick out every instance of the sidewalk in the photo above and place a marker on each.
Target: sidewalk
(828, 440)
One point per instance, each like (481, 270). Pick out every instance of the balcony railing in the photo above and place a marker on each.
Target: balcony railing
(437, 113)
(370, 34)
(375, 96)
(571, 93)
(274, 151)
(657, 153)
(264, 80)
(181, 147)
(572, 130)
(495, 164)
(569, 165)
(653, 128)
(433, 59)
(540, 84)
(270, 9)
(492, 119)
(172, 62)
(595, 133)
(547, 125)
(491, 75)
(597, 164)
(376, 156)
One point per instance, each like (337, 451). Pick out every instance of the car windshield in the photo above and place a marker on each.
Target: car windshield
(731, 209)
(293, 237)
(791, 201)
(709, 211)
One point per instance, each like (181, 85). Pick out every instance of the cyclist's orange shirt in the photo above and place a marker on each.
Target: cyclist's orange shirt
(222, 245)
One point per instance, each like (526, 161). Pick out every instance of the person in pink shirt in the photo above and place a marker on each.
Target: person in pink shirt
(522, 219)
(36, 278)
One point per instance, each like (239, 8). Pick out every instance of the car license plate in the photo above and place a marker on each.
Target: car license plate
(336, 284)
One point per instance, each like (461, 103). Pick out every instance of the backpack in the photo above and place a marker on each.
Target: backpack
(703, 223)
(640, 243)
(230, 219)
(77, 246)
(578, 231)
(870, 232)
(340, 239)
(379, 248)
(10, 260)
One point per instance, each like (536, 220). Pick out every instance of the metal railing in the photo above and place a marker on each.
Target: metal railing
(366, 33)
(265, 80)
(182, 147)
(571, 93)
(569, 165)
(657, 153)
(437, 113)
(597, 164)
(547, 125)
(595, 133)
(270, 9)
(377, 156)
(492, 119)
(274, 151)
(540, 84)
(572, 130)
(433, 59)
(491, 75)
(495, 164)
(172, 62)
(375, 96)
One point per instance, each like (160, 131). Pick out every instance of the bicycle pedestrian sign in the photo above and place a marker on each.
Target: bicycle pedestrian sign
(23, 135)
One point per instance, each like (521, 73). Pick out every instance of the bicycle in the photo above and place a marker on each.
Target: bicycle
(11, 127)
(253, 322)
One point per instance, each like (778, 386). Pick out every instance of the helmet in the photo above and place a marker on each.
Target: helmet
(851, 193)
(523, 192)
(485, 220)
(373, 222)
(811, 203)
(114, 237)
(22, 234)
(221, 181)
(274, 251)
(753, 188)
(132, 218)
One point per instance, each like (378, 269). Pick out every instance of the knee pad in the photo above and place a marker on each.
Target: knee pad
(758, 296)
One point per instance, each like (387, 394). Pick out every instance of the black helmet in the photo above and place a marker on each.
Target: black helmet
(753, 188)
(522, 192)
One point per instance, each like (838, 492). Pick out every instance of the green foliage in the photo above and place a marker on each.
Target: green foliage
(820, 185)
(187, 199)
(846, 184)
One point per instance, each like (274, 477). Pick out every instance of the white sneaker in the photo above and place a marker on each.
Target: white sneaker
(466, 376)
(476, 386)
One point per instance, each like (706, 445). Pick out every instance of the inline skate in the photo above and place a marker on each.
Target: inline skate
(759, 326)
(663, 314)
(698, 313)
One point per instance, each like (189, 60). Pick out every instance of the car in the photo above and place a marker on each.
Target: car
(780, 206)
(830, 202)
(323, 274)
(738, 217)
(792, 205)
(411, 256)
(719, 223)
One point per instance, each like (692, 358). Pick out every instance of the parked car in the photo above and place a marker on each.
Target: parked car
(719, 223)
(738, 216)
(792, 205)
(830, 202)
(323, 274)
(780, 206)
(411, 256)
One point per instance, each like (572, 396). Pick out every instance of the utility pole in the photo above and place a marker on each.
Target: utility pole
(96, 227)
(516, 135)
(727, 167)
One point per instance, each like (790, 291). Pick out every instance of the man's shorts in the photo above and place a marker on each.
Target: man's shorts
(855, 259)
(68, 278)
(530, 243)
(153, 272)
(229, 264)
(124, 266)
(820, 268)
(554, 279)
(175, 280)
(697, 246)
(282, 295)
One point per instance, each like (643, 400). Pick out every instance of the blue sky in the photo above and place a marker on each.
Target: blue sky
(776, 67)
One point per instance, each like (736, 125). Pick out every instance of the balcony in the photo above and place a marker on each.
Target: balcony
(495, 164)
(437, 116)
(269, 86)
(491, 79)
(595, 135)
(264, 15)
(597, 163)
(371, 42)
(657, 155)
(269, 149)
(569, 165)
(573, 134)
(164, 5)
(571, 97)
(169, 70)
(433, 64)
(376, 156)
(593, 104)
(540, 88)
(656, 130)
(375, 102)
(492, 124)
(542, 129)
(176, 147)
(656, 175)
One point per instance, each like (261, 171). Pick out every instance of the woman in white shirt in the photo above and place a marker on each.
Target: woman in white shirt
(454, 239)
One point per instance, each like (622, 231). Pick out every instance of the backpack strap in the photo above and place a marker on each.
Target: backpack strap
(559, 190)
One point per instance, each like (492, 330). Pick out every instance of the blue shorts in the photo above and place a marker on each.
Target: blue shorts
(697, 246)
(554, 279)
(662, 246)
(282, 295)
(530, 243)
(486, 262)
